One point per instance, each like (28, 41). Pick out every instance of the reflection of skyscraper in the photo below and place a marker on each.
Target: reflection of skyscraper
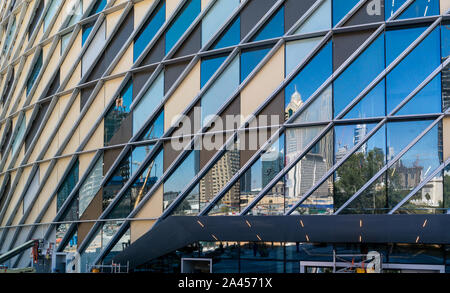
(219, 176)
(295, 103)
(359, 134)
(446, 86)
(271, 167)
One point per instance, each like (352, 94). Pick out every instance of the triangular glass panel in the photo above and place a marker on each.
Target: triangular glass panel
(428, 200)
(251, 58)
(371, 105)
(414, 166)
(231, 37)
(341, 8)
(428, 100)
(420, 8)
(273, 28)
(320, 20)
(209, 66)
(371, 201)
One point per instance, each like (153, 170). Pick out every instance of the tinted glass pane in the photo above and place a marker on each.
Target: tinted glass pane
(180, 178)
(262, 172)
(308, 170)
(414, 166)
(216, 18)
(421, 8)
(423, 60)
(34, 73)
(155, 129)
(297, 51)
(19, 136)
(182, 23)
(119, 177)
(341, 8)
(98, 7)
(445, 37)
(149, 30)
(221, 90)
(209, 66)
(428, 200)
(320, 20)
(391, 6)
(216, 179)
(231, 37)
(308, 80)
(53, 7)
(273, 29)
(362, 165)
(447, 189)
(400, 134)
(250, 59)
(87, 28)
(148, 103)
(371, 105)
(67, 186)
(91, 186)
(190, 206)
(118, 112)
(359, 75)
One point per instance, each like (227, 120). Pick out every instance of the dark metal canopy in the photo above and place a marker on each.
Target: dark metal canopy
(176, 232)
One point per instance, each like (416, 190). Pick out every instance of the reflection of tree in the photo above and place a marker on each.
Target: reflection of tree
(353, 174)
(447, 191)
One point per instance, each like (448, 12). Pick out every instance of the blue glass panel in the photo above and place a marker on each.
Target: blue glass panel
(99, 6)
(360, 167)
(220, 91)
(429, 96)
(231, 37)
(421, 8)
(391, 6)
(216, 17)
(209, 66)
(400, 134)
(180, 178)
(416, 67)
(87, 28)
(182, 23)
(155, 129)
(148, 103)
(398, 40)
(341, 8)
(372, 105)
(118, 112)
(445, 29)
(34, 73)
(320, 20)
(149, 30)
(250, 59)
(359, 75)
(273, 29)
(67, 186)
(308, 80)
(297, 51)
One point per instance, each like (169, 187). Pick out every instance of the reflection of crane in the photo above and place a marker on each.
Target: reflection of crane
(138, 199)
(147, 150)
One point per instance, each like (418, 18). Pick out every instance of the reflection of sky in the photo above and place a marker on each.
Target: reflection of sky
(182, 22)
(341, 8)
(359, 75)
(415, 68)
(345, 136)
(445, 40)
(312, 76)
(183, 174)
(232, 36)
(420, 8)
(391, 6)
(209, 66)
(273, 29)
(400, 134)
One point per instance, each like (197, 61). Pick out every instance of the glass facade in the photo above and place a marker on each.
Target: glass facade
(359, 89)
